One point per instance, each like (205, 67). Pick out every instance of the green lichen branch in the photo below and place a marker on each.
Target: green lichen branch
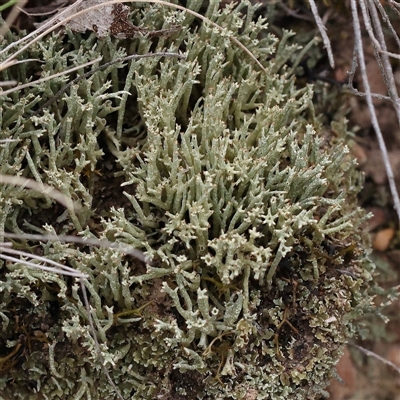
(223, 176)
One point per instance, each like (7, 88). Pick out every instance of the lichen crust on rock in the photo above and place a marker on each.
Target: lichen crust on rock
(227, 180)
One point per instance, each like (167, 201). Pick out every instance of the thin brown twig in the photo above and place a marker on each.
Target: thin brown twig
(370, 353)
(43, 14)
(48, 78)
(46, 26)
(50, 27)
(322, 30)
(115, 61)
(41, 188)
(102, 243)
(363, 69)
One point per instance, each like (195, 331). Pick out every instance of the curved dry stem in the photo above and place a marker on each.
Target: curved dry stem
(368, 95)
(57, 267)
(48, 78)
(40, 187)
(42, 28)
(48, 27)
(370, 353)
(322, 30)
(102, 243)
(387, 71)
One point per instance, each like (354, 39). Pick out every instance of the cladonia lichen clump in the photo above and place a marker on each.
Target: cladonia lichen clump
(243, 202)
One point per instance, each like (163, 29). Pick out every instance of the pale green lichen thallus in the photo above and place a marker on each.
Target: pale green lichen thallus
(228, 181)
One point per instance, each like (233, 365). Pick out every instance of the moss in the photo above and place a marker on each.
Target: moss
(244, 202)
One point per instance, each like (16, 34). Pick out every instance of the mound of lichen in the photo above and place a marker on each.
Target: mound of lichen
(224, 177)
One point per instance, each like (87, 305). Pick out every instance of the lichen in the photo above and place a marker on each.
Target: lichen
(228, 181)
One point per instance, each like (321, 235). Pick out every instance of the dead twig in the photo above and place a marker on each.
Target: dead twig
(115, 61)
(102, 243)
(370, 353)
(39, 187)
(58, 21)
(48, 78)
(322, 30)
(368, 95)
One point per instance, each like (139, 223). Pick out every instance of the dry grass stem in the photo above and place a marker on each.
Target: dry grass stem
(322, 30)
(8, 83)
(370, 353)
(55, 22)
(359, 51)
(61, 269)
(102, 243)
(115, 61)
(373, 26)
(48, 78)
(42, 28)
(39, 187)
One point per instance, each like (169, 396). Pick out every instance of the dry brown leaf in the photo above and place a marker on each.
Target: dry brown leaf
(106, 20)
(377, 220)
(110, 19)
(382, 239)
